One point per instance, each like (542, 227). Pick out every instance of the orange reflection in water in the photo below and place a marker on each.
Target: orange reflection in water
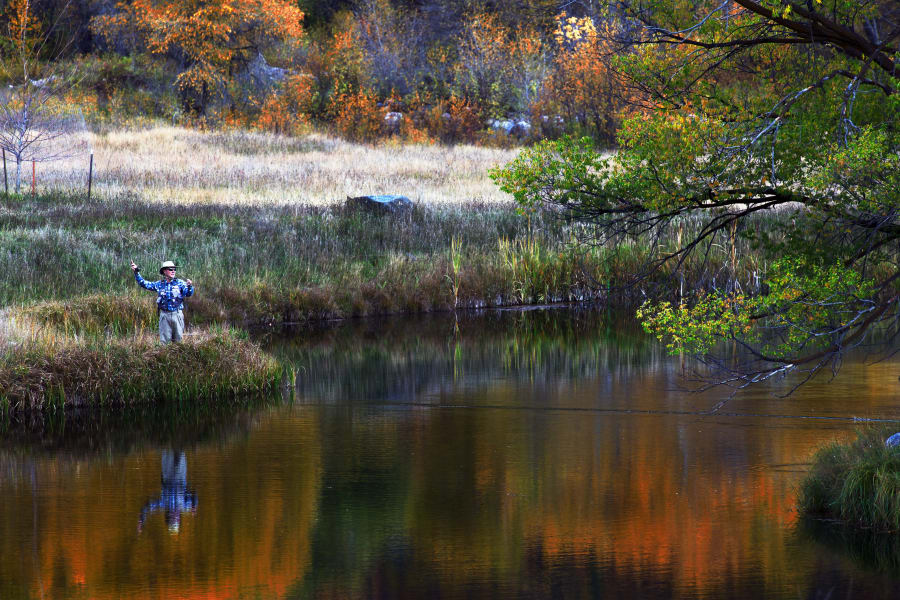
(693, 500)
(78, 522)
(476, 493)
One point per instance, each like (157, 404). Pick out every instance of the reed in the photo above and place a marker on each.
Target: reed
(858, 482)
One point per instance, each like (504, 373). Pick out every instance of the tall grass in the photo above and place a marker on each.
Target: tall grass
(858, 483)
(66, 260)
(65, 373)
(185, 166)
(268, 263)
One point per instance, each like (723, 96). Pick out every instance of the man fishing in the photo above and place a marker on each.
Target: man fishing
(170, 295)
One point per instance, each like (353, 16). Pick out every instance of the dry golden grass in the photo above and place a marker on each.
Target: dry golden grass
(172, 164)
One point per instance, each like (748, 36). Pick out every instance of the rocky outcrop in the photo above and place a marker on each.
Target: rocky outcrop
(392, 121)
(517, 128)
(261, 76)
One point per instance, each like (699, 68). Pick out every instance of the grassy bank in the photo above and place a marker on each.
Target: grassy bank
(257, 221)
(66, 261)
(857, 483)
(64, 373)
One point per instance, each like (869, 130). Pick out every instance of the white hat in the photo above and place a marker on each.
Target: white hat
(166, 265)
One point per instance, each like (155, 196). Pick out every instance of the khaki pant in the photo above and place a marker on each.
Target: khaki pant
(171, 326)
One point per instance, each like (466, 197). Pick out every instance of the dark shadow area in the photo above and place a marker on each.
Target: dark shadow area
(86, 430)
(877, 552)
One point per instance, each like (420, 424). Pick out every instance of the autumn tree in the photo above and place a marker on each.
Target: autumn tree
(209, 40)
(499, 67)
(774, 120)
(583, 90)
(36, 124)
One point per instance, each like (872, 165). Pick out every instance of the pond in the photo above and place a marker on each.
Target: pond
(514, 454)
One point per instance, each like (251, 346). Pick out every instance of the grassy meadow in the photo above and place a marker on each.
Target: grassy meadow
(240, 167)
(259, 223)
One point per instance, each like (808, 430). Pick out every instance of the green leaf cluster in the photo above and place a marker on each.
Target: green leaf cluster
(808, 306)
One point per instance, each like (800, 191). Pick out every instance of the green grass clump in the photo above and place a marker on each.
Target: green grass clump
(211, 365)
(858, 483)
(67, 260)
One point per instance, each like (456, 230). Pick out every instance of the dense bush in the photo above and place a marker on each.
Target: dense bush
(449, 70)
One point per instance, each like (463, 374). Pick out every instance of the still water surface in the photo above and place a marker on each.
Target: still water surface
(538, 454)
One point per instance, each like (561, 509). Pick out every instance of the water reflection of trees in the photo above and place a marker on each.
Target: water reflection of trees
(403, 359)
(455, 501)
(356, 498)
(870, 550)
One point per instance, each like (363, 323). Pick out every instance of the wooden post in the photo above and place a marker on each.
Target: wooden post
(32, 179)
(5, 180)
(90, 175)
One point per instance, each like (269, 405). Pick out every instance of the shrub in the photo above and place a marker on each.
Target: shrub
(454, 120)
(582, 92)
(287, 110)
(498, 67)
(858, 483)
(357, 116)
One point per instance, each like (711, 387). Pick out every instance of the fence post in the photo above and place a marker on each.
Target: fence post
(90, 175)
(5, 180)
(32, 179)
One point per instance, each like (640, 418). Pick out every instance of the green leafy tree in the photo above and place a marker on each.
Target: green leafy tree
(772, 120)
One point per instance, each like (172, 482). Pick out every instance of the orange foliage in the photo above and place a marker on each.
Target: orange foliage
(498, 66)
(343, 62)
(357, 115)
(287, 111)
(210, 34)
(454, 120)
(582, 88)
(24, 29)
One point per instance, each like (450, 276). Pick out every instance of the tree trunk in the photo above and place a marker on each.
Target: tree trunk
(18, 172)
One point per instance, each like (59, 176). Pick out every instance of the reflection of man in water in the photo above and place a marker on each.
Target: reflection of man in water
(175, 497)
